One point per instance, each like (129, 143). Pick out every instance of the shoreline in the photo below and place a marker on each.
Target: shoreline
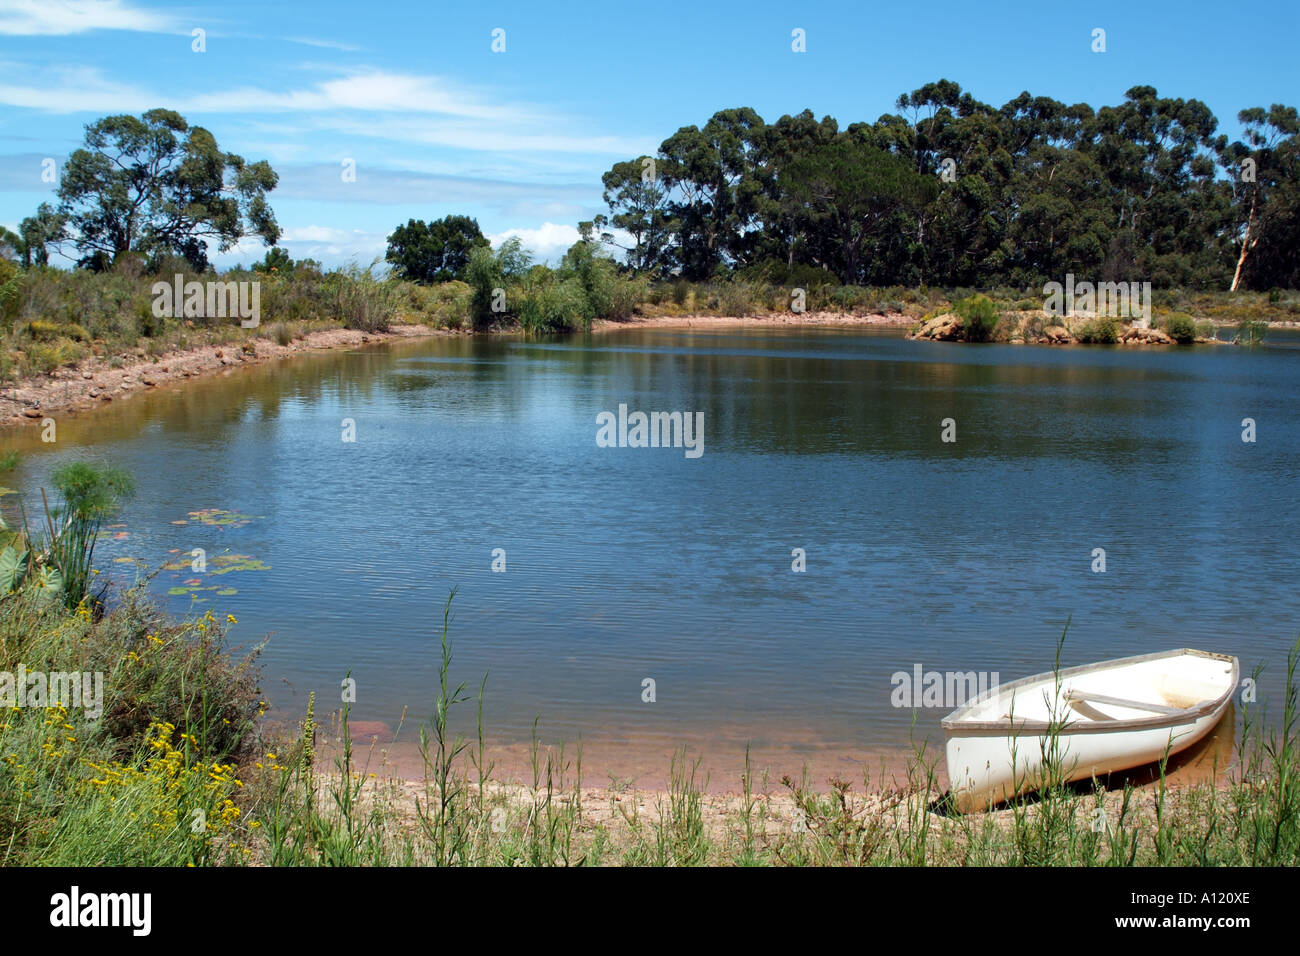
(94, 382)
(97, 381)
(645, 765)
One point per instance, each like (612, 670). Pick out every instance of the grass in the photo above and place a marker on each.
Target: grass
(179, 771)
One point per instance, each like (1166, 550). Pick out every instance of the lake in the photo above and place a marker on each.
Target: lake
(623, 564)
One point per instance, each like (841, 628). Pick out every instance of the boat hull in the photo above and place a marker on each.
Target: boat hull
(993, 761)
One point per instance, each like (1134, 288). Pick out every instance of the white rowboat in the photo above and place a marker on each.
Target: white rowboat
(1113, 715)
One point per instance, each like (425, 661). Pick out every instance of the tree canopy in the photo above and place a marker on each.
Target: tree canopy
(951, 191)
(436, 251)
(156, 185)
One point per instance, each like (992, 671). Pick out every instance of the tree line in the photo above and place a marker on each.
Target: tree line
(949, 191)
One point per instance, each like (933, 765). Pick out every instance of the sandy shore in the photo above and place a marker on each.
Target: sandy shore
(96, 382)
(644, 763)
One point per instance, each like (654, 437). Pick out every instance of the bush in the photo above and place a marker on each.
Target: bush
(736, 298)
(979, 317)
(681, 292)
(549, 304)
(43, 330)
(1181, 328)
(1099, 331)
(363, 302)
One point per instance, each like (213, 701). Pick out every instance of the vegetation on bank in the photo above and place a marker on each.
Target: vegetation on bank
(178, 770)
(53, 318)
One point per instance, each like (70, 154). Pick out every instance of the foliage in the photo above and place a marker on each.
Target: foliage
(434, 252)
(1181, 328)
(951, 191)
(979, 317)
(1099, 331)
(156, 185)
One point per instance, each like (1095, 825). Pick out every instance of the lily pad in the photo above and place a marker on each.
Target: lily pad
(225, 563)
(221, 518)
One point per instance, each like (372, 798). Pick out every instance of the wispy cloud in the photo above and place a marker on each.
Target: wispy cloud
(65, 17)
(324, 44)
(324, 182)
(417, 109)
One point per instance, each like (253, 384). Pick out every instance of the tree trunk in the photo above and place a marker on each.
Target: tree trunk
(1246, 243)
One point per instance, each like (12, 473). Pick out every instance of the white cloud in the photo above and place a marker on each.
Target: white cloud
(326, 244)
(315, 234)
(548, 241)
(416, 109)
(65, 17)
(76, 90)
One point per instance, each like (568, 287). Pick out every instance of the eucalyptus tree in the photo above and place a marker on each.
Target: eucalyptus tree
(1264, 171)
(716, 196)
(156, 185)
(1157, 156)
(853, 191)
(639, 205)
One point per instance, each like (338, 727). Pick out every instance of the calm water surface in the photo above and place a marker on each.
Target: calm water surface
(624, 564)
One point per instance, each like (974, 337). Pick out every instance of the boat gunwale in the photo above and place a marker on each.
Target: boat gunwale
(954, 723)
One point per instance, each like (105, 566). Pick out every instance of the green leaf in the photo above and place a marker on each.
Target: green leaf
(13, 568)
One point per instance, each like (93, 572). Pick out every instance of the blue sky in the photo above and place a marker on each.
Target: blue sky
(438, 123)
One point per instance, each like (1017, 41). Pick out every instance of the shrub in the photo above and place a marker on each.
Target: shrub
(363, 302)
(1181, 328)
(979, 317)
(43, 330)
(1099, 331)
(548, 304)
(736, 298)
(681, 292)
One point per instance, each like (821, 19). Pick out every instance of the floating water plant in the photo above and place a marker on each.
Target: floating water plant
(221, 518)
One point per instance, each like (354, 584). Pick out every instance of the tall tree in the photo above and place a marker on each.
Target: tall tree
(716, 194)
(156, 185)
(48, 227)
(1265, 175)
(853, 190)
(639, 207)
